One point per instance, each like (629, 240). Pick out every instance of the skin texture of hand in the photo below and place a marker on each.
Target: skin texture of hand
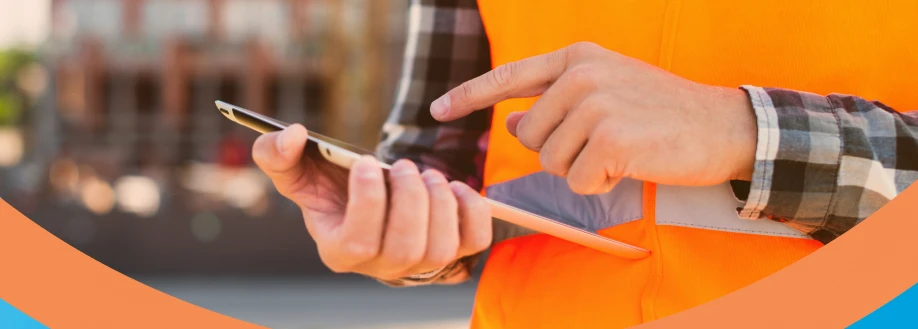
(602, 116)
(419, 224)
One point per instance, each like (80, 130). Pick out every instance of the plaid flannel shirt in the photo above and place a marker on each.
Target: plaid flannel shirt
(823, 163)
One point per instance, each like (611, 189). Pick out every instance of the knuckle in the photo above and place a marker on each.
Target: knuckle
(433, 174)
(373, 197)
(408, 185)
(590, 109)
(577, 186)
(473, 204)
(504, 75)
(402, 258)
(480, 240)
(333, 264)
(578, 180)
(438, 186)
(526, 135)
(477, 236)
(477, 206)
(583, 47)
(465, 92)
(441, 257)
(444, 199)
(581, 76)
(371, 190)
(417, 192)
(526, 138)
(359, 250)
(558, 58)
(552, 164)
(608, 138)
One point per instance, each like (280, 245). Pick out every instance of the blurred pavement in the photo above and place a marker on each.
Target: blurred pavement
(313, 303)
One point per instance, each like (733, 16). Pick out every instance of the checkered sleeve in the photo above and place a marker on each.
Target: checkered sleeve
(446, 46)
(825, 163)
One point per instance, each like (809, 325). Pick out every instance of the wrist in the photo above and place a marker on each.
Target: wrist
(741, 132)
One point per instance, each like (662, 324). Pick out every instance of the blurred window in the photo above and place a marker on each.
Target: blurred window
(103, 95)
(316, 15)
(162, 18)
(148, 91)
(96, 17)
(268, 19)
(354, 17)
(315, 91)
(273, 94)
(230, 89)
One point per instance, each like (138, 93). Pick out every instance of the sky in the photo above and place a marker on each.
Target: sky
(24, 22)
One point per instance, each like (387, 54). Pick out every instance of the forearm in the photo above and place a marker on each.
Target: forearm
(825, 163)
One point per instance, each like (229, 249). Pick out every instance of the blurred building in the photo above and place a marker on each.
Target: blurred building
(131, 162)
(162, 63)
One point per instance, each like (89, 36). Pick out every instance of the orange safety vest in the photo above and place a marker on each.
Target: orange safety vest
(701, 249)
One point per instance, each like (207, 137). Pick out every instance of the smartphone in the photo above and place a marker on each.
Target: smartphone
(344, 155)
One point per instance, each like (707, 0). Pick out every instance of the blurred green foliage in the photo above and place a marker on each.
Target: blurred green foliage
(12, 100)
(10, 108)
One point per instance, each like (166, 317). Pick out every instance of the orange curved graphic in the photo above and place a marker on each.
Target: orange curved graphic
(833, 287)
(61, 287)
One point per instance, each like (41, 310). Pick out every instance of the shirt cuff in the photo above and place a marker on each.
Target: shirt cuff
(766, 147)
(796, 158)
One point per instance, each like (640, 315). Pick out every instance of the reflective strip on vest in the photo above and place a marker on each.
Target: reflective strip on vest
(709, 208)
(712, 208)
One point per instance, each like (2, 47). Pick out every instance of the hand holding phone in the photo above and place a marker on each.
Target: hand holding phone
(419, 224)
(312, 170)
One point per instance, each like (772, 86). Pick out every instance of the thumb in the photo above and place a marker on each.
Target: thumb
(278, 154)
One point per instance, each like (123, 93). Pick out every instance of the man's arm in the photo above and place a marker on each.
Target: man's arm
(446, 45)
(825, 163)
(820, 164)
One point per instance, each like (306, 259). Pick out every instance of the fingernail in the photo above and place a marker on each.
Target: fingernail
(440, 106)
(403, 168)
(281, 141)
(457, 188)
(367, 171)
(432, 177)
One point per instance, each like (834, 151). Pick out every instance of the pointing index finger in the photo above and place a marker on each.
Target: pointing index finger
(525, 78)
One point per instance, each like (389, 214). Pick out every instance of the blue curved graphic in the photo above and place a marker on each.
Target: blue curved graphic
(12, 318)
(900, 312)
